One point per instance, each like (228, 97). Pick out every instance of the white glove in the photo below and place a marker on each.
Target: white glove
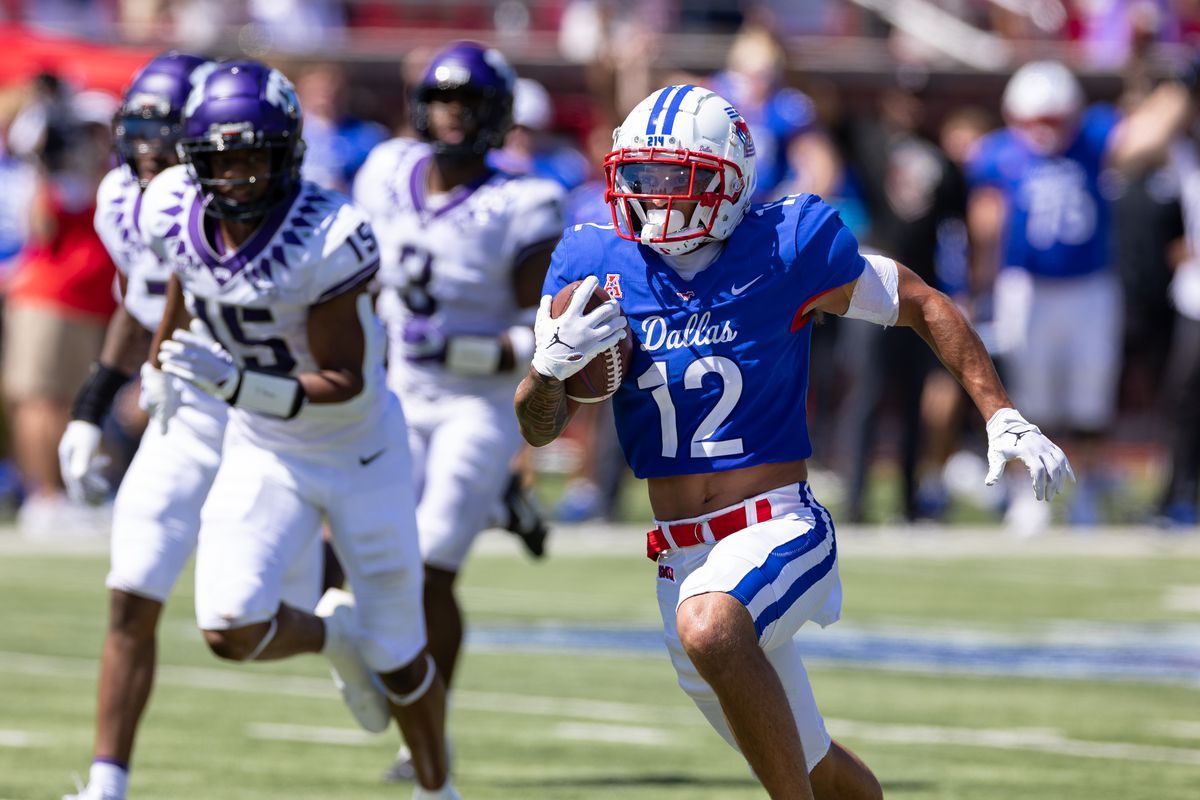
(81, 463)
(564, 345)
(1012, 436)
(198, 358)
(159, 396)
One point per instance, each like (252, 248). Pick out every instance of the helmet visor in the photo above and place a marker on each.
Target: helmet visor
(657, 179)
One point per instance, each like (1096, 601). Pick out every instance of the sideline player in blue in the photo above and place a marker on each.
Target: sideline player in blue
(1037, 204)
(717, 294)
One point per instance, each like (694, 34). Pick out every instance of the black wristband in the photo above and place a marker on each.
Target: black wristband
(96, 395)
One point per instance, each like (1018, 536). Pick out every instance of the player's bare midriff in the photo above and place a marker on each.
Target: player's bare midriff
(687, 496)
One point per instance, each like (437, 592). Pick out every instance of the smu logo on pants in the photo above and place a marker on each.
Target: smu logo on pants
(666, 573)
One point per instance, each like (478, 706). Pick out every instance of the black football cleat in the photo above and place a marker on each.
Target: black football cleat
(524, 517)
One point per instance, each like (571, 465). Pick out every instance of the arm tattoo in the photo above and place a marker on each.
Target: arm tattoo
(541, 408)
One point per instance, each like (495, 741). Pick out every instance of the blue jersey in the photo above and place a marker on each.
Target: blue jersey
(1058, 221)
(720, 363)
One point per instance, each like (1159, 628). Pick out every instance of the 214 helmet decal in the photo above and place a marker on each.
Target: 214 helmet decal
(240, 106)
(681, 171)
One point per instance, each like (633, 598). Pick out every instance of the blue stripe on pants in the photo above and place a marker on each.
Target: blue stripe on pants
(778, 559)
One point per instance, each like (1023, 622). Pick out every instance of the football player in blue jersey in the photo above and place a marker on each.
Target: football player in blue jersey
(1038, 211)
(717, 294)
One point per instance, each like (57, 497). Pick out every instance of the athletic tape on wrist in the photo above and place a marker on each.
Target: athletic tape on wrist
(276, 395)
(473, 355)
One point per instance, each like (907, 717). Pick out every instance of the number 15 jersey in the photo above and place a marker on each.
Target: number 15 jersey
(255, 300)
(720, 363)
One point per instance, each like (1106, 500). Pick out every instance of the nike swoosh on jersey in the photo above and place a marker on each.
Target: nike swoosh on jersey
(364, 460)
(736, 290)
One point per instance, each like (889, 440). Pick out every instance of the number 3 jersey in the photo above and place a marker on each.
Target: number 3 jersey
(452, 260)
(256, 300)
(720, 363)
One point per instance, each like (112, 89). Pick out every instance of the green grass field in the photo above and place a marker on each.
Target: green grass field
(532, 721)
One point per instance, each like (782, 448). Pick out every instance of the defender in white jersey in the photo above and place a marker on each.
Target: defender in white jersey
(156, 516)
(272, 273)
(464, 249)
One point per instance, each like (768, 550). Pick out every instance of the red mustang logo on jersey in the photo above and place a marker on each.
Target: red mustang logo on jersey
(686, 296)
(612, 285)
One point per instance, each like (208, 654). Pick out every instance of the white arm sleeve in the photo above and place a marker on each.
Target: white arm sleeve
(876, 295)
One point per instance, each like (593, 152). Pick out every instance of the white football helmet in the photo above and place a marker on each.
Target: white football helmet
(681, 146)
(1043, 102)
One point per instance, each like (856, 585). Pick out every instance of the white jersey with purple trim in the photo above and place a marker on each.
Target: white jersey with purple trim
(451, 257)
(256, 300)
(117, 202)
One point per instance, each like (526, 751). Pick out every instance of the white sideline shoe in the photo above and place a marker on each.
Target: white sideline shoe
(351, 674)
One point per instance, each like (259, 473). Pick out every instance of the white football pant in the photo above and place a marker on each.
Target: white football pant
(265, 508)
(784, 571)
(462, 452)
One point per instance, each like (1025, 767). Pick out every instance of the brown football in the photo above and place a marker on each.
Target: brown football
(604, 373)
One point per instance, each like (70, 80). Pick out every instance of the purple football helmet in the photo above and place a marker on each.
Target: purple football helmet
(480, 71)
(241, 105)
(148, 121)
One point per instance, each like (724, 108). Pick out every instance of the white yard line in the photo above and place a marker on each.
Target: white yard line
(606, 714)
(613, 734)
(1181, 729)
(12, 738)
(1040, 740)
(916, 541)
(1182, 598)
(314, 734)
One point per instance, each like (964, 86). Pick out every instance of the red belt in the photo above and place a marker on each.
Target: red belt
(686, 534)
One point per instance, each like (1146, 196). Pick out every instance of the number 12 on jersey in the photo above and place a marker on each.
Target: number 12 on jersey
(702, 445)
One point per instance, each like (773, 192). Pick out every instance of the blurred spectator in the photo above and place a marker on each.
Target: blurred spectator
(60, 297)
(337, 143)
(298, 26)
(1174, 140)
(1112, 30)
(953, 467)
(792, 153)
(1038, 206)
(619, 42)
(530, 148)
(911, 190)
(18, 178)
